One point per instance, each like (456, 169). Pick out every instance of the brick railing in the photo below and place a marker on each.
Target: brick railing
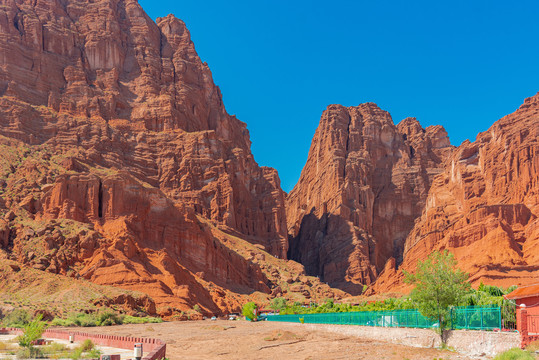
(524, 316)
(154, 349)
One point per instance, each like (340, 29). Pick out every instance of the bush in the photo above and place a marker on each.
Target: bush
(93, 354)
(62, 322)
(87, 345)
(108, 317)
(32, 331)
(141, 320)
(28, 353)
(278, 304)
(17, 318)
(103, 318)
(515, 354)
(249, 310)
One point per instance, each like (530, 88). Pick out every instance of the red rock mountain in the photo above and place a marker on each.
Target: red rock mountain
(484, 206)
(120, 163)
(364, 183)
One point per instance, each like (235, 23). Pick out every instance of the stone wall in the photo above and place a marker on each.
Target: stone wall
(464, 341)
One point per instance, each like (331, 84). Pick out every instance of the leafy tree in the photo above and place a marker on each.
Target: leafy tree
(278, 304)
(438, 285)
(249, 310)
(32, 331)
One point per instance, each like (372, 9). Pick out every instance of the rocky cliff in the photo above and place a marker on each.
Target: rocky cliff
(364, 183)
(484, 206)
(120, 163)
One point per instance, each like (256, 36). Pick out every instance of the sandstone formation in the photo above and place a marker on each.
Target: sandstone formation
(120, 163)
(364, 183)
(484, 206)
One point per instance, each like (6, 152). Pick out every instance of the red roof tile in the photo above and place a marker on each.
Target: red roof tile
(523, 292)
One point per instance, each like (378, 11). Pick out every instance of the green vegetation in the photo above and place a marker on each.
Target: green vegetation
(278, 304)
(102, 318)
(438, 285)
(31, 332)
(86, 350)
(16, 318)
(483, 296)
(249, 311)
(515, 354)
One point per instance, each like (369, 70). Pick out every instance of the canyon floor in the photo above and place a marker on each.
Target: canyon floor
(221, 339)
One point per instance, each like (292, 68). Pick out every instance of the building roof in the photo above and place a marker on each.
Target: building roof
(523, 292)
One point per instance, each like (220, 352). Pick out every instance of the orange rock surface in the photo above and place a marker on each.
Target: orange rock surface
(364, 183)
(484, 207)
(119, 164)
(120, 161)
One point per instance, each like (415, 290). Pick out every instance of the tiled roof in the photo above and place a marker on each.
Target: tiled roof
(523, 292)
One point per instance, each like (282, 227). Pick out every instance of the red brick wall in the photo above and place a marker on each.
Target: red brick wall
(522, 325)
(530, 301)
(154, 349)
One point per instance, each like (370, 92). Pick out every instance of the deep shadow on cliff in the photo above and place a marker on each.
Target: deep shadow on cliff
(328, 247)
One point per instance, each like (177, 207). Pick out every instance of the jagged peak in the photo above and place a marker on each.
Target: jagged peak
(528, 102)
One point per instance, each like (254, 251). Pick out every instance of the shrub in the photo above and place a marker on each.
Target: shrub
(16, 318)
(87, 345)
(82, 319)
(141, 320)
(108, 317)
(515, 354)
(249, 311)
(62, 322)
(278, 304)
(28, 353)
(93, 354)
(32, 331)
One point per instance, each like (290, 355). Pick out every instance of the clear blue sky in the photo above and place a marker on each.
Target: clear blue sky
(460, 64)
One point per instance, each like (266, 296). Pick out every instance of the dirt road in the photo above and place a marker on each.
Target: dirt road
(202, 340)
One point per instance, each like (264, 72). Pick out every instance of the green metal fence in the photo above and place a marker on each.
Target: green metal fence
(476, 318)
(473, 318)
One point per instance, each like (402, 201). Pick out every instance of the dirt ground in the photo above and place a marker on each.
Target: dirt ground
(224, 339)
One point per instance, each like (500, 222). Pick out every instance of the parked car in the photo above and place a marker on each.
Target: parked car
(213, 318)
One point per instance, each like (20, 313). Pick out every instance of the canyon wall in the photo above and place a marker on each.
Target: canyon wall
(364, 183)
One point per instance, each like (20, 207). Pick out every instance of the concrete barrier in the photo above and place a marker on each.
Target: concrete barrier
(468, 342)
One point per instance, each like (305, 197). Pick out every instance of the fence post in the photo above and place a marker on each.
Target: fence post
(522, 325)
(481, 318)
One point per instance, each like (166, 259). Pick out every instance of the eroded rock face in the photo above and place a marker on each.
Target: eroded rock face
(364, 183)
(128, 135)
(484, 206)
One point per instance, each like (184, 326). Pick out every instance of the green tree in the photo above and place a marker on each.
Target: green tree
(278, 304)
(31, 332)
(249, 310)
(439, 284)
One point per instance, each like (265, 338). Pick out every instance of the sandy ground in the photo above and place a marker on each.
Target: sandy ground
(224, 339)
